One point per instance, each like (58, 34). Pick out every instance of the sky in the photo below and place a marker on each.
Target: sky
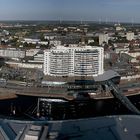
(93, 10)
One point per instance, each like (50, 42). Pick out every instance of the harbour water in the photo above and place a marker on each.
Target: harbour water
(27, 107)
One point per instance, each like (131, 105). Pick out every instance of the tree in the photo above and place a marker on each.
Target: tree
(131, 47)
(26, 45)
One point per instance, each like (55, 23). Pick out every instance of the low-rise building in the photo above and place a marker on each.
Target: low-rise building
(12, 53)
(130, 36)
(103, 38)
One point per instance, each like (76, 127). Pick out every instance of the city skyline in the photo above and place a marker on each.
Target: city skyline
(90, 10)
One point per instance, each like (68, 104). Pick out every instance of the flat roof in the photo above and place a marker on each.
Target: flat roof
(119, 127)
(80, 47)
(106, 76)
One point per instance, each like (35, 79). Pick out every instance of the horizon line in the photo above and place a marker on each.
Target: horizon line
(66, 20)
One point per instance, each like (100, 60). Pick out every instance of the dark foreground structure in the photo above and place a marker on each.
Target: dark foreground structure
(101, 128)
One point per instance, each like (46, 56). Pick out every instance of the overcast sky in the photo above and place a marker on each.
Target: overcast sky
(110, 10)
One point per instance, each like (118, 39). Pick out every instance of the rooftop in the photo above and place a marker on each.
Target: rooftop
(81, 47)
(122, 127)
(106, 76)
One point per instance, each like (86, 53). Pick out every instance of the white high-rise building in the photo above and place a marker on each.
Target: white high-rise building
(66, 61)
(103, 38)
(130, 36)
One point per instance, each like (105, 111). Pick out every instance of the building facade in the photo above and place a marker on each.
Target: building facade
(103, 38)
(130, 36)
(78, 61)
(12, 53)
